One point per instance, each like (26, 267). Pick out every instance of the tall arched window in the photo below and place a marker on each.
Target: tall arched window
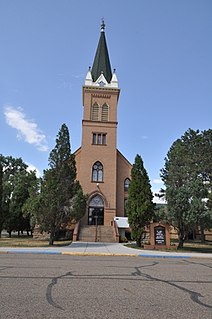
(95, 112)
(126, 184)
(97, 172)
(105, 111)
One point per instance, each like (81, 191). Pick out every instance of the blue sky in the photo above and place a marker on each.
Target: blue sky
(162, 52)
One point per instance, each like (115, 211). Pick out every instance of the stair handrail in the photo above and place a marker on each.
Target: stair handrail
(116, 231)
(76, 231)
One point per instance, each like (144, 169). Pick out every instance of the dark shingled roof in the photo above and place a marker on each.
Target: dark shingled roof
(101, 63)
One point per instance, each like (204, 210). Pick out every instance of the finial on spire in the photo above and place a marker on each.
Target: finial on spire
(103, 25)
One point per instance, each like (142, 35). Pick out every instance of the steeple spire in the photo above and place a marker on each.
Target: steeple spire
(101, 63)
(103, 25)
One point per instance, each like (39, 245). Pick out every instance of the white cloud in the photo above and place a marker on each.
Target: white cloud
(156, 192)
(158, 200)
(27, 129)
(157, 181)
(31, 167)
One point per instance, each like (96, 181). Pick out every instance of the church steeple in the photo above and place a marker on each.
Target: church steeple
(101, 63)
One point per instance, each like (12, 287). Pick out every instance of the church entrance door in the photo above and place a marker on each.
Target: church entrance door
(96, 216)
(96, 211)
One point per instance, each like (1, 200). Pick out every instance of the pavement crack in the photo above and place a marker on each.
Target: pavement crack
(193, 294)
(5, 267)
(196, 263)
(138, 272)
(54, 282)
(129, 291)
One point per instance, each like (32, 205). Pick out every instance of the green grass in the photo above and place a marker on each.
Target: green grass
(197, 248)
(188, 247)
(27, 241)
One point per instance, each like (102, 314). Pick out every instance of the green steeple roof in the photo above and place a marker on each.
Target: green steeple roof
(101, 63)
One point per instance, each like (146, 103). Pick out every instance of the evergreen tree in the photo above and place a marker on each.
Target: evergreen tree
(140, 208)
(209, 202)
(186, 175)
(61, 197)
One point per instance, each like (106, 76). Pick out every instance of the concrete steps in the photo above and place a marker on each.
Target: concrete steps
(99, 234)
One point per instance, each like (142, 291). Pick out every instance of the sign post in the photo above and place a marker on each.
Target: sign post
(159, 236)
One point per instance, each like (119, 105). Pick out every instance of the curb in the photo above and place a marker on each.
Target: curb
(98, 254)
(55, 252)
(23, 251)
(164, 256)
(52, 252)
(72, 253)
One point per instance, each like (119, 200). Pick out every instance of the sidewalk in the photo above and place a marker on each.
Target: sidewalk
(101, 249)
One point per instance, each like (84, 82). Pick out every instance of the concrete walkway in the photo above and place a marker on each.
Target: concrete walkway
(102, 249)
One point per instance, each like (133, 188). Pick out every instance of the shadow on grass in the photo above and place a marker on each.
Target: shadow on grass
(195, 248)
(205, 250)
(62, 244)
(30, 242)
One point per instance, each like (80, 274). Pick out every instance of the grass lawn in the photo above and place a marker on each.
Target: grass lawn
(27, 241)
(197, 247)
(188, 247)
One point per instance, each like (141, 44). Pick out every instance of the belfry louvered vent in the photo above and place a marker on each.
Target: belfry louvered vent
(105, 113)
(95, 112)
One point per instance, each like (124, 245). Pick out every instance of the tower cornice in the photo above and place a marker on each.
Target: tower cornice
(101, 89)
(100, 92)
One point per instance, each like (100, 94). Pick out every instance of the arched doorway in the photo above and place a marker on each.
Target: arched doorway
(96, 211)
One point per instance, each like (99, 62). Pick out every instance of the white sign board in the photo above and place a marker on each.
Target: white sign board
(122, 222)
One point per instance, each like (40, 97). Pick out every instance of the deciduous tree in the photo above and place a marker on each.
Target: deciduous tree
(15, 192)
(15, 219)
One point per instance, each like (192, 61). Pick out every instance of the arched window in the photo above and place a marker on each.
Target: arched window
(126, 184)
(105, 110)
(95, 112)
(96, 201)
(97, 172)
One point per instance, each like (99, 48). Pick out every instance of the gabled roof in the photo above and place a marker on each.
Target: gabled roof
(101, 63)
(124, 158)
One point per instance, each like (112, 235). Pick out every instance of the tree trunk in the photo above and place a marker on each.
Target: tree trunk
(180, 243)
(138, 243)
(10, 233)
(202, 235)
(51, 239)
(138, 240)
(181, 238)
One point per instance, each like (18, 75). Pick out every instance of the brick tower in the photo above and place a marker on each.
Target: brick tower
(101, 168)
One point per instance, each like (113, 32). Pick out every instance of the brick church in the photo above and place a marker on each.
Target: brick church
(103, 172)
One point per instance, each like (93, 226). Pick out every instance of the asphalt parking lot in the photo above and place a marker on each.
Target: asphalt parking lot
(65, 286)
